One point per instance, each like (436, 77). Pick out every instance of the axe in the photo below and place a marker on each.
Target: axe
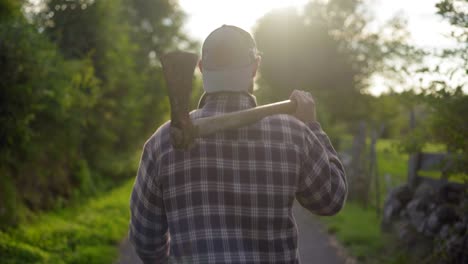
(178, 68)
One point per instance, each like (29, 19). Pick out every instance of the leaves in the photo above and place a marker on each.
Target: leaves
(78, 93)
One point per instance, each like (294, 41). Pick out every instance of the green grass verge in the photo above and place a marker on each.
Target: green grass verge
(87, 233)
(358, 230)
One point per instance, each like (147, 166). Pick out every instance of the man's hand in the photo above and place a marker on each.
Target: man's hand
(305, 110)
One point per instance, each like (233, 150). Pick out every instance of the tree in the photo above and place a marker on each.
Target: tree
(300, 54)
(327, 49)
(43, 98)
(121, 38)
(447, 98)
(80, 93)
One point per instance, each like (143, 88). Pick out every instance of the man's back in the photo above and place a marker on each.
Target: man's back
(228, 199)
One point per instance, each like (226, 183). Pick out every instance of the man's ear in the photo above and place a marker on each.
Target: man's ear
(200, 66)
(257, 64)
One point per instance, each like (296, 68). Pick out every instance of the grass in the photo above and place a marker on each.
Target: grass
(358, 229)
(87, 233)
(391, 161)
(361, 235)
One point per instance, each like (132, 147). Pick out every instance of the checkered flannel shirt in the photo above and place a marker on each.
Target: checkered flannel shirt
(229, 198)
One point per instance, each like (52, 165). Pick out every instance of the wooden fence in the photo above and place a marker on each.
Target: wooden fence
(430, 162)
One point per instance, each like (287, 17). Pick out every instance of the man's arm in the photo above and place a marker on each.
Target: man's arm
(322, 187)
(148, 230)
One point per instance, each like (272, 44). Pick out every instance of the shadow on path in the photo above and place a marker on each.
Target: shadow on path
(315, 245)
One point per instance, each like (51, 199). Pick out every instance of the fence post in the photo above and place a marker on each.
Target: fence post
(374, 168)
(358, 178)
(413, 162)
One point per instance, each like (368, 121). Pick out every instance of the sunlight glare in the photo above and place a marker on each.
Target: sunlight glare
(204, 16)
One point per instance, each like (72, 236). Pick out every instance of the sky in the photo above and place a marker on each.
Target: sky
(206, 15)
(427, 29)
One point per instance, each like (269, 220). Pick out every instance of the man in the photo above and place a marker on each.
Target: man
(229, 198)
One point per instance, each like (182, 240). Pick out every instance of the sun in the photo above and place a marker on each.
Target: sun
(206, 15)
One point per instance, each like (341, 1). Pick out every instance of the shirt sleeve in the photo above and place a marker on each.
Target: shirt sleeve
(322, 187)
(148, 231)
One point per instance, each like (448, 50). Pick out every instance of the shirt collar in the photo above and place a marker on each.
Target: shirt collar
(227, 101)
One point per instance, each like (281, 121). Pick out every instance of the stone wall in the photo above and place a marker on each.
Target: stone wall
(430, 222)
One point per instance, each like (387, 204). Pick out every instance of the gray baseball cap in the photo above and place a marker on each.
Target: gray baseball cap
(229, 54)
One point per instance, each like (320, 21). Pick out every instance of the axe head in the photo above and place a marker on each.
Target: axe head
(178, 68)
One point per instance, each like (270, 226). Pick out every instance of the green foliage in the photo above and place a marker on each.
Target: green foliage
(444, 99)
(448, 119)
(82, 175)
(155, 26)
(81, 234)
(197, 92)
(8, 9)
(446, 124)
(39, 94)
(388, 113)
(447, 99)
(455, 12)
(8, 199)
(80, 93)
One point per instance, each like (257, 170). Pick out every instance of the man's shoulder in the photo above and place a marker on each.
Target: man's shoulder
(285, 127)
(160, 139)
(285, 121)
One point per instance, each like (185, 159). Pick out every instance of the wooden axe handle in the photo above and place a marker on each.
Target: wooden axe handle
(213, 124)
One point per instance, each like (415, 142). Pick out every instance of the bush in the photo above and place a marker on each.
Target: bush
(78, 97)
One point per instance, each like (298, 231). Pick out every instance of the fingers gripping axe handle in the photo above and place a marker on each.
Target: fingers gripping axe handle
(178, 68)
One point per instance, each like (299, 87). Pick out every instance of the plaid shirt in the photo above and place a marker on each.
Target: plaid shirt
(229, 198)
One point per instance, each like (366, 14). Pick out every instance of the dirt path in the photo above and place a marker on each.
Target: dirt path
(315, 245)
